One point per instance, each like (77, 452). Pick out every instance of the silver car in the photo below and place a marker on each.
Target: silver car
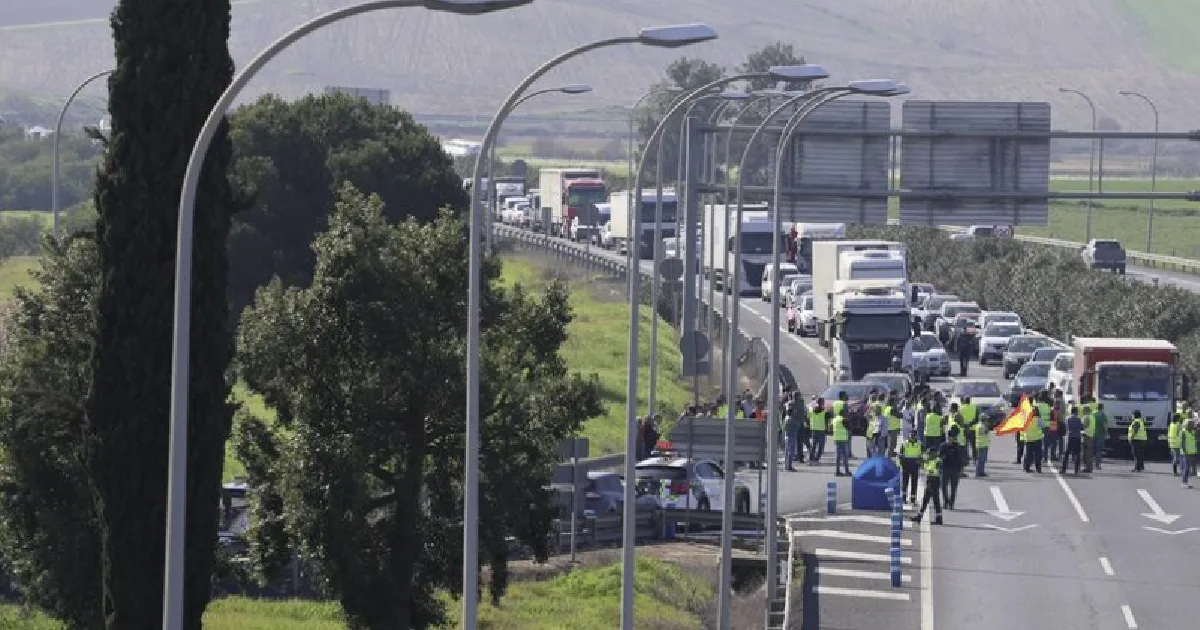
(1020, 349)
(1031, 379)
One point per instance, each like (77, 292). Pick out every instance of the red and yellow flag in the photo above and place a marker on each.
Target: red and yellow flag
(1018, 420)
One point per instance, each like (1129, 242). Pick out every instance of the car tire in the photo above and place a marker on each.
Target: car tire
(703, 505)
(1121, 270)
(743, 504)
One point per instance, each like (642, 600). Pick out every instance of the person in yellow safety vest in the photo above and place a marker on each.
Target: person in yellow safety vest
(934, 429)
(1043, 407)
(894, 425)
(956, 420)
(1175, 442)
(910, 468)
(932, 466)
(841, 442)
(839, 409)
(983, 441)
(819, 426)
(1188, 443)
(1033, 442)
(1089, 435)
(970, 415)
(1137, 440)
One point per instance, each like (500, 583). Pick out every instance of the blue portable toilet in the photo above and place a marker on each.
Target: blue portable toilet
(868, 489)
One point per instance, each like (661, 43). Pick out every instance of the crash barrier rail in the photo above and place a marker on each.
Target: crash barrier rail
(788, 576)
(1141, 259)
(605, 530)
(702, 437)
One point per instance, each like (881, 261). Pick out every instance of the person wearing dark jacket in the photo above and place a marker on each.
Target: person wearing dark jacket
(952, 467)
(1073, 427)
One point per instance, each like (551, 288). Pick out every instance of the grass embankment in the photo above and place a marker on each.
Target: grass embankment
(598, 342)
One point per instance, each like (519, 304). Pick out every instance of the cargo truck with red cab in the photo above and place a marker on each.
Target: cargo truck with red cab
(571, 194)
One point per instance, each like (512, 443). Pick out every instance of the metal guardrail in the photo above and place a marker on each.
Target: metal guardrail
(1143, 259)
(601, 530)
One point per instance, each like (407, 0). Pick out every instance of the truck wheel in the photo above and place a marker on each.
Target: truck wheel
(1121, 270)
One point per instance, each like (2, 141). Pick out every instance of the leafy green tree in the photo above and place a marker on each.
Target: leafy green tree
(21, 235)
(777, 54)
(294, 155)
(49, 531)
(365, 369)
(172, 63)
(26, 168)
(686, 73)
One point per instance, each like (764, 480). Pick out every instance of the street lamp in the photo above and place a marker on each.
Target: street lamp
(728, 96)
(181, 335)
(1091, 157)
(572, 88)
(660, 37)
(1153, 167)
(62, 113)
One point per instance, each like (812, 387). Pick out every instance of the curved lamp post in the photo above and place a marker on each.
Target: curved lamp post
(1091, 157)
(1153, 167)
(728, 96)
(805, 72)
(62, 113)
(661, 37)
(572, 88)
(181, 341)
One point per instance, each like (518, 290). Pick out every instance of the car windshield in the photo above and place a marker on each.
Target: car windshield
(806, 303)
(1027, 344)
(1046, 354)
(877, 327)
(977, 389)
(1134, 382)
(1034, 370)
(925, 343)
(953, 311)
(855, 391)
(1001, 330)
(895, 382)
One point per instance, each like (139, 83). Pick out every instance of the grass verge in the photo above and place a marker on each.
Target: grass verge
(14, 272)
(598, 342)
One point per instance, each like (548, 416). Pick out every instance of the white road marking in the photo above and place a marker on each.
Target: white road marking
(1107, 566)
(837, 554)
(861, 575)
(1156, 511)
(833, 533)
(859, 592)
(1129, 620)
(846, 518)
(926, 576)
(783, 329)
(1062, 483)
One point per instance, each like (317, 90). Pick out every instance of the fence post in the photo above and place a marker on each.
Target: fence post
(831, 497)
(589, 520)
(897, 577)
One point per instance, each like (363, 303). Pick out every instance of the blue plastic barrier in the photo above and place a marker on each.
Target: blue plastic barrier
(868, 489)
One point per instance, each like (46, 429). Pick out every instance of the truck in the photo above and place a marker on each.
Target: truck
(800, 239)
(571, 195)
(758, 241)
(506, 188)
(619, 210)
(1128, 375)
(828, 267)
(867, 327)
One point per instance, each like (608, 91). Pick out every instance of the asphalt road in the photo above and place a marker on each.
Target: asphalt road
(1185, 281)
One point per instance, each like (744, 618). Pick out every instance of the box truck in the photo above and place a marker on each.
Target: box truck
(758, 239)
(643, 237)
(571, 195)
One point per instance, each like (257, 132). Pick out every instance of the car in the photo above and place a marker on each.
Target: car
(994, 341)
(700, 483)
(988, 318)
(929, 356)
(1048, 354)
(802, 320)
(1019, 350)
(898, 382)
(928, 313)
(944, 323)
(794, 284)
(1062, 371)
(604, 492)
(984, 393)
(1103, 253)
(785, 269)
(857, 394)
(1031, 379)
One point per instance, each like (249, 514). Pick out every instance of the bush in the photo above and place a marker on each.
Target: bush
(1051, 288)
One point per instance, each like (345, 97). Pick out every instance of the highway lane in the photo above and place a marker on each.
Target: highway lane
(1185, 281)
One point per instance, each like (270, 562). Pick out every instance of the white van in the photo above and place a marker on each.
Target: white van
(769, 273)
(1062, 371)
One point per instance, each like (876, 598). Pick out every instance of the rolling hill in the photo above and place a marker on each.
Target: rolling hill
(435, 63)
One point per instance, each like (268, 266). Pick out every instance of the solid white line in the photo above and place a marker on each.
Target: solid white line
(863, 575)
(858, 592)
(1062, 483)
(926, 576)
(858, 555)
(832, 533)
(845, 518)
(1107, 566)
(1129, 620)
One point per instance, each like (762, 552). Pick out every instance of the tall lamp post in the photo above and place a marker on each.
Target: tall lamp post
(1091, 157)
(1153, 167)
(62, 113)
(631, 257)
(181, 336)
(728, 96)
(572, 89)
(661, 37)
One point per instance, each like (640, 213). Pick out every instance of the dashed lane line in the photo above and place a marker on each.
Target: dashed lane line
(1129, 620)
(1062, 483)
(1107, 567)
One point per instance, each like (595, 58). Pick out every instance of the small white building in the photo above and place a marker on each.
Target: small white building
(38, 132)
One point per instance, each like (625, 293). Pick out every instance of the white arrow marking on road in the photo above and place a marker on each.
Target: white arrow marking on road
(1002, 511)
(1170, 533)
(1156, 512)
(1009, 531)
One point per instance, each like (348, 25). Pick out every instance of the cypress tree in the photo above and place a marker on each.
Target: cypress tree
(172, 63)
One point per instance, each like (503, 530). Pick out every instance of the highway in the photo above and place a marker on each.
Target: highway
(1110, 550)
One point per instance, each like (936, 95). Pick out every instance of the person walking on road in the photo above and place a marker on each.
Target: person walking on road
(951, 455)
(934, 430)
(794, 414)
(1099, 438)
(839, 409)
(1074, 429)
(1089, 419)
(819, 426)
(983, 443)
(932, 466)
(1175, 441)
(1044, 413)
(910, 468)
(1033, 442)
(841, 442)
(1137, 441)
(1189, 438)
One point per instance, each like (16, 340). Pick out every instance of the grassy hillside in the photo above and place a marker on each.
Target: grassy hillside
(1022, 49)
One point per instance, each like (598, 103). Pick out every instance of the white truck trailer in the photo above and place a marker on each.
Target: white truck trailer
(619, 209)
(571, 194)
(758, 238)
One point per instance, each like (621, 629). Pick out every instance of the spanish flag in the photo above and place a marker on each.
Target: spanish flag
(1018, 420)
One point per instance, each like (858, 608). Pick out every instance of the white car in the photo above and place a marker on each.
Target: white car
(994, 340)
(950, 311)
(794, 284)
(805, 317)
(995, 317)
(929, 356)
(698, 484)
(984, 393)
(927, 314)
